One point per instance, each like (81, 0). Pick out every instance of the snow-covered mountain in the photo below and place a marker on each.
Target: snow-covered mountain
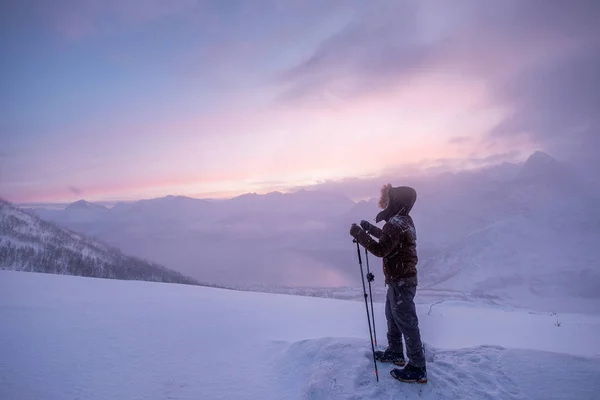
(80, 212)
(541, 167)
(302, 202)
(168, 209)
(515, 230)
(250, 239)
(28, 243)
(543, 244)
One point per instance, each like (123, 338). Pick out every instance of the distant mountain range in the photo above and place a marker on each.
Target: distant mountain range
(251, 238)
(28, 243)
(508, 230)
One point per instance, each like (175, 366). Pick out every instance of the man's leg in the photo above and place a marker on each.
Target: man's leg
(394, 352)
(394, 334)
(404, 314)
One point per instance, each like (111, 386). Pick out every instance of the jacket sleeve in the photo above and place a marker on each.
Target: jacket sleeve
(381, 248)
(375, 231)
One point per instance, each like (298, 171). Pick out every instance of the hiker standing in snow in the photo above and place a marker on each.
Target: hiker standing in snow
(397, 246)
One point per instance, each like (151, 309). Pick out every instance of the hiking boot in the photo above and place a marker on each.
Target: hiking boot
(388, 356)
(410, 374)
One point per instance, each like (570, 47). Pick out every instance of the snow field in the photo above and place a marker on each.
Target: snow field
(65, 337)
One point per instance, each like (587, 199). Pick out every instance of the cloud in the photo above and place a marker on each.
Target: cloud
(374, 46)
(557, 103)
(451, 164)
(418, 76)
(434, 170)
(552, 92)
(538, 60)
(75, 190)
(460, 140)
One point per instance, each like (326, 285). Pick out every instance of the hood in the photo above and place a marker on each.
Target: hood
(395, 200)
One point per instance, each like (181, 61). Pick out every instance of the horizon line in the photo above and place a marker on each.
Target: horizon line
(112, 203)
(224, 196)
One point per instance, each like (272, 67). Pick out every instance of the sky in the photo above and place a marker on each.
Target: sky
(122, 100)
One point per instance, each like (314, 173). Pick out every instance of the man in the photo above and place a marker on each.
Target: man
(397, 246)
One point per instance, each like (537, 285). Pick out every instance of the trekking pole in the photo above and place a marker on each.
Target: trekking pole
(367, 307)
(371, 278)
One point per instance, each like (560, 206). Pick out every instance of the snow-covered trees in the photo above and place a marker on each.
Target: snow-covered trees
(30, 244)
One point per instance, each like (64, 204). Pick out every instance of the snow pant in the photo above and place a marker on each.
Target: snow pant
(402, 320)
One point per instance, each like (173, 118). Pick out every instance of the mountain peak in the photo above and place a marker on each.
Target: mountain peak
(540, 158)
(84, 205)
(540, 164)
(172, 197)
(80, 204)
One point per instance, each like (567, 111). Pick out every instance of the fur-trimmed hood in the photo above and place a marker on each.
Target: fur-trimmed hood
(395, 200)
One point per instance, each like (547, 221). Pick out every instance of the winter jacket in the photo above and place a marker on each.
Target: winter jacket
(397, 240)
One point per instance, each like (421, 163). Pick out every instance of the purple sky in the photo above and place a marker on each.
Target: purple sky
(109, 100)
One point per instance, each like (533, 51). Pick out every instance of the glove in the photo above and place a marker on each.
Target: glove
(355, 230)
(366, 225)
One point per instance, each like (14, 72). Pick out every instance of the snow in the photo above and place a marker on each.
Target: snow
(66, 337)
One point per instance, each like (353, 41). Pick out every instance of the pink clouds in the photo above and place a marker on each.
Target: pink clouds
(205, 97)
(118, 188)
(230, 151)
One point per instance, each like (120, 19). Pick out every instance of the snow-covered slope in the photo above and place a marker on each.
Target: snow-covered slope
(527, 264)
(544, 251)
(65, 337)
(28, 243)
